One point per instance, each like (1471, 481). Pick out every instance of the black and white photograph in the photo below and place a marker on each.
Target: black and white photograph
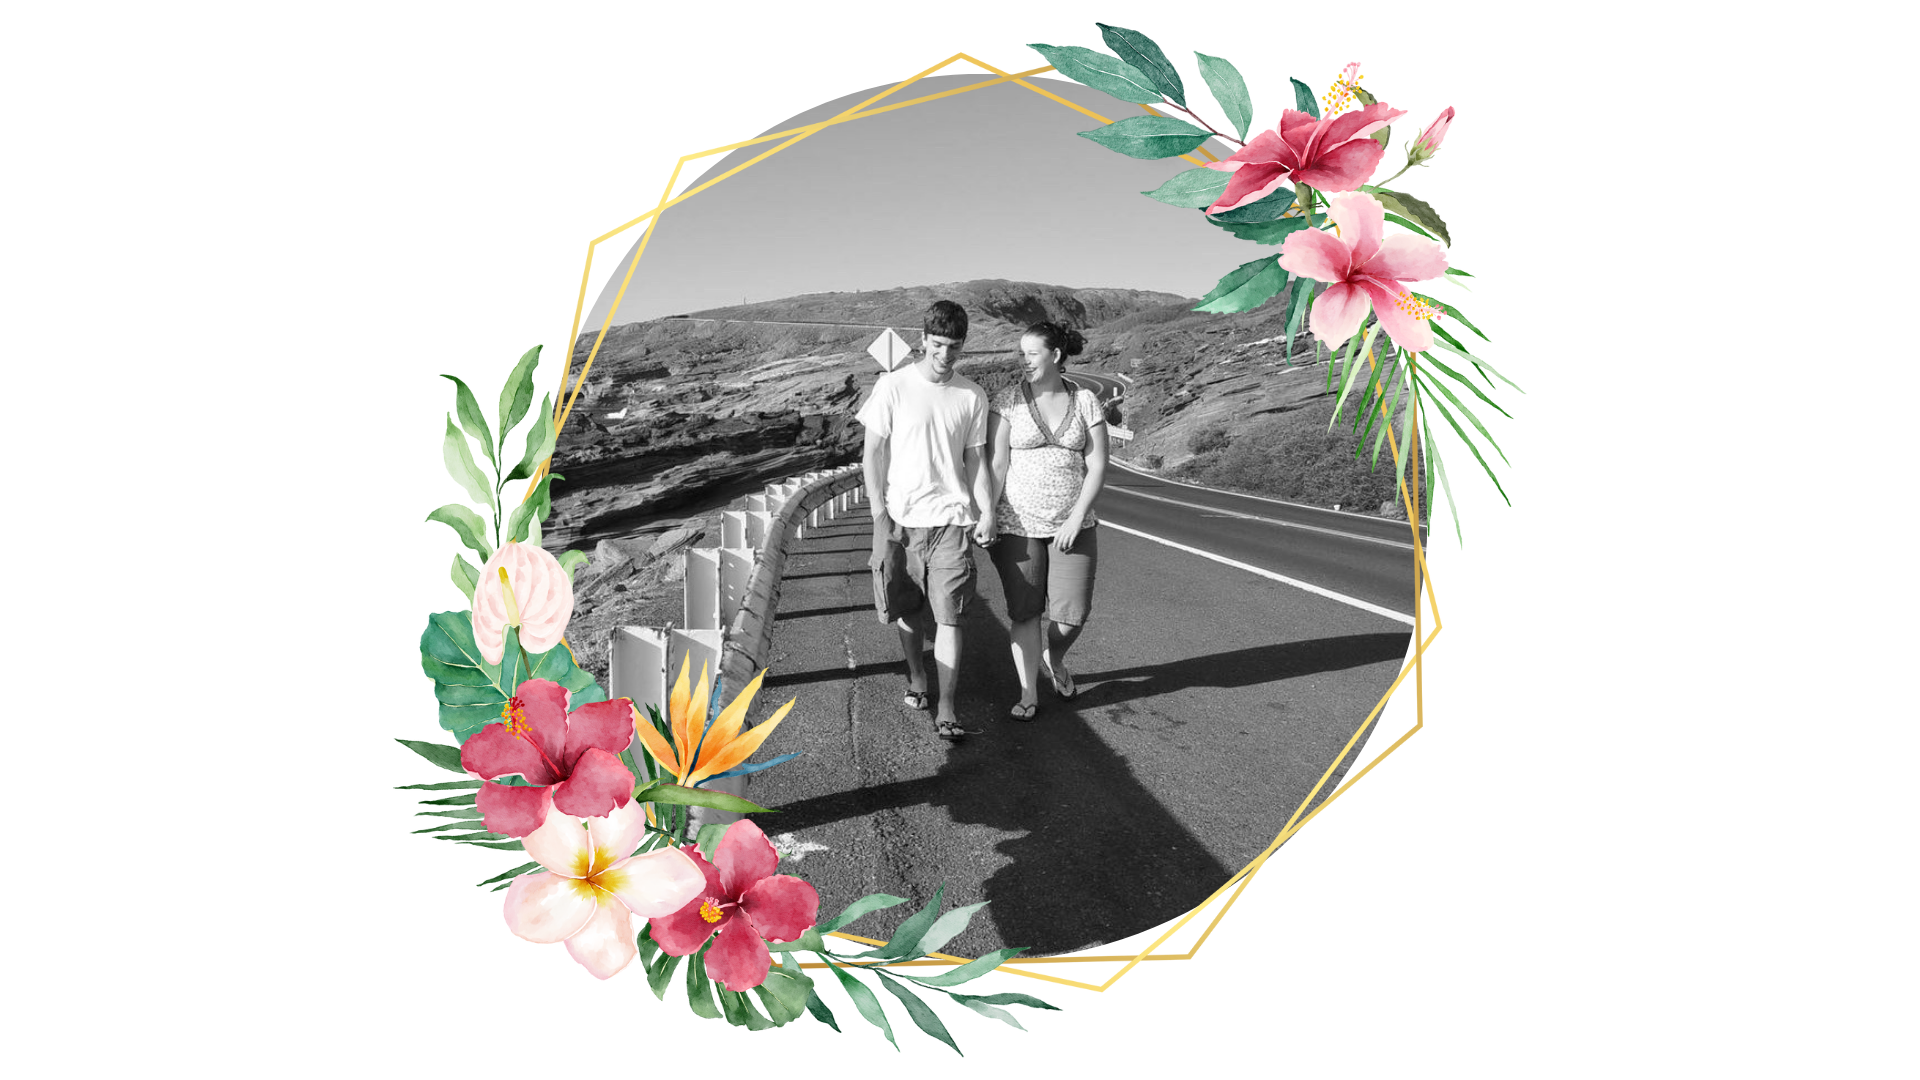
(1088, 709)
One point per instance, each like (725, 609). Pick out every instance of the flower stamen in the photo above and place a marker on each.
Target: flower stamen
(1341, 95)
(1410, 304)
(710, 910)
(506, 590)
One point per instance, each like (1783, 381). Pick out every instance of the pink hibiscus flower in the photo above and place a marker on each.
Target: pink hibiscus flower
(745, 903)
(1334, 154)
(594, 884)
(1365, 269)
(570, 760)
(1428, 144)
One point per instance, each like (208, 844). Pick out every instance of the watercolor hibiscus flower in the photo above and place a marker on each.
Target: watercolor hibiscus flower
(594, 884)
(745, 903)
(1333, 154)
(569, 760)
(1364, 270)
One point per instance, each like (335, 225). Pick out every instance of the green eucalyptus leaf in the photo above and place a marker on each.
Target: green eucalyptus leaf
(1195, 188)
(1006, 999)
(1229, 89)
(532, 510)
(984, 1009)
(461, 466)
(465, 575)
(540, 439)
(1458, 273)
(864, 1001)
(467, 526)
(1265, 233)
(1148, 137)
(738, 1008)
(1269, 207)
(708, 840)
(1140, 51)
(1246, 287)
(448, 786)
(571, 560)
(923, 1016)
(945, 928)
(1110, 75)
(906, 937)
(1303, 99)
(517, 393)
(973, 969)
(465, 407)
(866, 904)
(820, 1011)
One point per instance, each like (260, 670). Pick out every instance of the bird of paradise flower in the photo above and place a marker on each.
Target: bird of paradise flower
(700, 750)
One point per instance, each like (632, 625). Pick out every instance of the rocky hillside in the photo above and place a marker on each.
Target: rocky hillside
(681, 415)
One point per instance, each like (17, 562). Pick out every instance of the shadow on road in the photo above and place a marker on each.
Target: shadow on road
(1253, 666)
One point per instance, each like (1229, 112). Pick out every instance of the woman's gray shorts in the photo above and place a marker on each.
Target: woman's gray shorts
(1037, 579)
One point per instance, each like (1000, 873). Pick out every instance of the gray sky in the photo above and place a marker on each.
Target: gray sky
(993, 183)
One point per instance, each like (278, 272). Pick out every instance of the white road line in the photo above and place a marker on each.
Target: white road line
(1268, 574)
(1237, 494)
(1256, 517)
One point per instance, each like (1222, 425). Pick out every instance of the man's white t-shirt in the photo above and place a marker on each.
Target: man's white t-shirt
(928, 427)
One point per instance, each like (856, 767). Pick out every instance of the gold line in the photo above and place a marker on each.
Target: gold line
(1410, 497)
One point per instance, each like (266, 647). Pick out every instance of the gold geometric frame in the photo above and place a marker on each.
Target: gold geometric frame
(1409, 493)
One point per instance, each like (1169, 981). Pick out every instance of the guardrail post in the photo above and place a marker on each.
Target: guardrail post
(701, 608)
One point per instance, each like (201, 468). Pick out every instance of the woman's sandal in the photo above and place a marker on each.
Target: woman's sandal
(917, 699)
(949, 730)
(1062, 680)
(1023, 712)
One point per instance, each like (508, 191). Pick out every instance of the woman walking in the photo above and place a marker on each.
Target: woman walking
(1049, 446)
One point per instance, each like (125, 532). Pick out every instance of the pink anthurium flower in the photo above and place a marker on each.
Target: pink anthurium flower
(745, 903)
(594, 884)
(1333, 154)
(1363, 268)
(536, 596)
(569, 760)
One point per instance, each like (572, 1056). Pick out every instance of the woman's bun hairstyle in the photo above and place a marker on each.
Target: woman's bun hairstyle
(1067, 340)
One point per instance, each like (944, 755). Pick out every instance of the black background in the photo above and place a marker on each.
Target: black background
(496, 175)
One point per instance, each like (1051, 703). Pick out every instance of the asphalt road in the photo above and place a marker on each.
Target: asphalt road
(1212, 699)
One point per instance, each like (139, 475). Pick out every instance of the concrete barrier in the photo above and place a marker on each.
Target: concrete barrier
(749, 637)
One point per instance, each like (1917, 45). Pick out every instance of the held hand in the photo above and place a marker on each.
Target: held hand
(987, 531)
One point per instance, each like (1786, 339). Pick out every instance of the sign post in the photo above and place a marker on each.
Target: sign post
(890, 349)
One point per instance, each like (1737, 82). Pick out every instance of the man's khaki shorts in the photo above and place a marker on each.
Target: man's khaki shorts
(930, 567)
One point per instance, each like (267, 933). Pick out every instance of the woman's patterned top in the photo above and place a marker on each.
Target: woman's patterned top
(1044, 476)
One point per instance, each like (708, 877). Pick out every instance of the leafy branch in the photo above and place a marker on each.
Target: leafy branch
(789, 991)
(522, 522)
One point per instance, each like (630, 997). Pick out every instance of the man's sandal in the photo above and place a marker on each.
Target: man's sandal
(1023, 713)
(917, 699)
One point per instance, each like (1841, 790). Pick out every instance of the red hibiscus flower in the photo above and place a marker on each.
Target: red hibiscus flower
(1329, 155)
(568, 759)
(745, 903)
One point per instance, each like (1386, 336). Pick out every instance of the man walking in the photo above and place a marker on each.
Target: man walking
(926, 434)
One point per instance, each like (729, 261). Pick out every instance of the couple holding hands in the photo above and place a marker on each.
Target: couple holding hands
(944, 466)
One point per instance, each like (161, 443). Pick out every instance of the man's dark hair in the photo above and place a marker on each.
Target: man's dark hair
(945, 319)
